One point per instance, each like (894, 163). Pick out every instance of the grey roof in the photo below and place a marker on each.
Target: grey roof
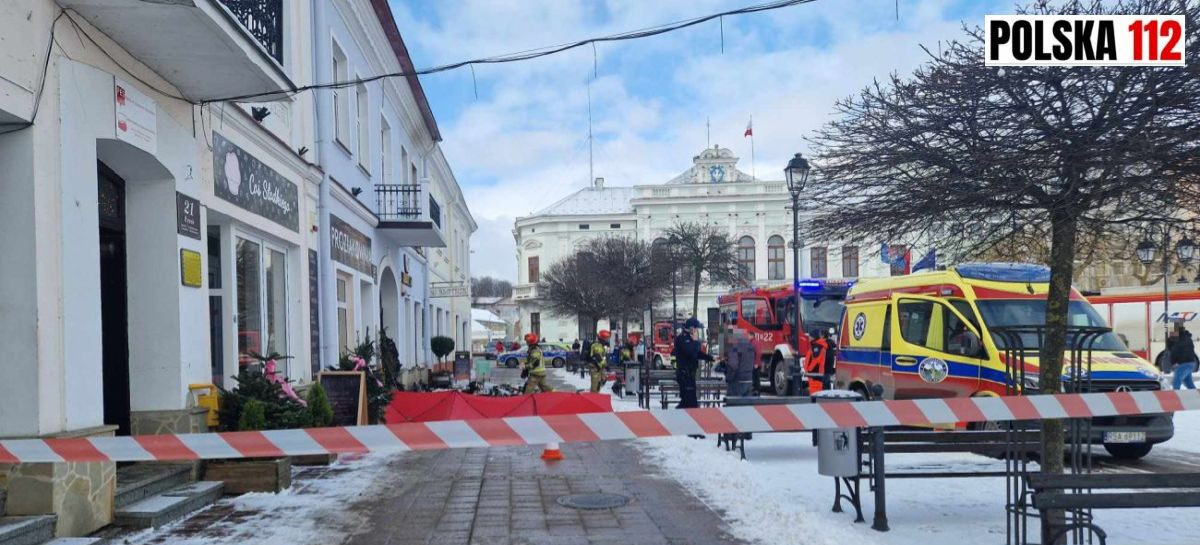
(591, 200)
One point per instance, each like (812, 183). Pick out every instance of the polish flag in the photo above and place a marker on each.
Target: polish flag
(749, 129)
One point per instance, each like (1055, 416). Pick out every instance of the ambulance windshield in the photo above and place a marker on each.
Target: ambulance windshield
(1032, 312)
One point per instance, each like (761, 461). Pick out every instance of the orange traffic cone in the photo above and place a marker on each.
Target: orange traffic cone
(552, 452)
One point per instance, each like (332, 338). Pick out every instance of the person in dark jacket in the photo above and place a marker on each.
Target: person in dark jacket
(1183, 356)
(739, 356)
(687, 362)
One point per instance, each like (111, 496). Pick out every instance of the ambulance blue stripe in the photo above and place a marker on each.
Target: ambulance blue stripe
(968, 370)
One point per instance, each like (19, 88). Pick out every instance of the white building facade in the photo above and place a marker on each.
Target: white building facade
(174, 209)
(755, 213)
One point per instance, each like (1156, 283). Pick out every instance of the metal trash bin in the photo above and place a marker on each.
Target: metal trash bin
(837, 449)
(632, 377)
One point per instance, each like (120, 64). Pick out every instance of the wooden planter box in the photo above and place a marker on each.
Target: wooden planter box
(314, 459)
(253, 475)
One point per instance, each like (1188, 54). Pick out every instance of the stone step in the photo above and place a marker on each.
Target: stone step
(169, 506)
(33, 530)
(140, 481)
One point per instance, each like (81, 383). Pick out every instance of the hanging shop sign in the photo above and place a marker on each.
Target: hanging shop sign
(187, 216)
(247, 182)
(314, 312)
(350, 247)
(136, 117)
(190, 271)
(447, 289)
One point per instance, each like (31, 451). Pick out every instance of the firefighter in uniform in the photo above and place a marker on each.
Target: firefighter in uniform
(535, 366)
(598, 359)
(818, 359)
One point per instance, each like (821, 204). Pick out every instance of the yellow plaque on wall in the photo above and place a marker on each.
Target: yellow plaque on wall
(189, 265)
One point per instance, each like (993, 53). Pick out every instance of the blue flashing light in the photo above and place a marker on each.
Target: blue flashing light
(1004, 272)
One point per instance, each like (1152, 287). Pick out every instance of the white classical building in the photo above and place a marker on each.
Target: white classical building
(757, 214)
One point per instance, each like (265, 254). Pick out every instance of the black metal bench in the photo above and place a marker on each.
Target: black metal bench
(1073, 493)
(737, 441)
(709, 392)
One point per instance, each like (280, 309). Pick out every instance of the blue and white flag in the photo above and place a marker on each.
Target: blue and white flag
(927, 262)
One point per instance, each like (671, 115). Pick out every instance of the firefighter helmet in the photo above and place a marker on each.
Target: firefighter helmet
(531, 339)
(604, 334)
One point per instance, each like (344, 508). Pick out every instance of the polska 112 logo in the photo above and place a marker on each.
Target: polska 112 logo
(1084, 40)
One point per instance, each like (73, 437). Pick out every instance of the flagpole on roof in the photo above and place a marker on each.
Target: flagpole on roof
(752, 174)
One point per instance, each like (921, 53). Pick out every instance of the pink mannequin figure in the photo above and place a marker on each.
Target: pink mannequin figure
(286, 386)
(361, 365)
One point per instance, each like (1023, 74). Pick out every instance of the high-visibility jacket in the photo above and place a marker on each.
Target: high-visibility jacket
(598, 355)
(533, 361)
(818, 351)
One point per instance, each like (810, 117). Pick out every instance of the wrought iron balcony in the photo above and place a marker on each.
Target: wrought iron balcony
(264, 20)
(398, 202)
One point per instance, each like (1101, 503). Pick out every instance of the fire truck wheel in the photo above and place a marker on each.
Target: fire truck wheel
(658, 362)
(861, 390)
(558, 363)
(1132, 451)
(779, 377)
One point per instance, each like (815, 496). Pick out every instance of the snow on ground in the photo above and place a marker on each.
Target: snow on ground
(314, 511)
(776, 496)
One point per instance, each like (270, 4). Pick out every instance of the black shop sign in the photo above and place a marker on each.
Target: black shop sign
(247, 182)
(348, 246)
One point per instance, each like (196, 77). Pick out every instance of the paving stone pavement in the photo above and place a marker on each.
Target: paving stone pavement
(508, 496)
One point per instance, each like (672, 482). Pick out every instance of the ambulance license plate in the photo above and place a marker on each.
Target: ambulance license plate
(1124, 437)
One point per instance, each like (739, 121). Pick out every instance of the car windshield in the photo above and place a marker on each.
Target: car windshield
(821, 313)
(1032, 312)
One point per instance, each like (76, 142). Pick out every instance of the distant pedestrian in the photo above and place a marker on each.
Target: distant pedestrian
(499, 347)
(575, 346)
(1183, 355)
(739, 362)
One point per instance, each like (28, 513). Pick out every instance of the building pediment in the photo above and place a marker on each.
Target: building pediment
(715, 165)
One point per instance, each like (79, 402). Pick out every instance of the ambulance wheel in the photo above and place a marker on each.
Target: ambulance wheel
(558, 363)
(1132, 451)
(779, 377)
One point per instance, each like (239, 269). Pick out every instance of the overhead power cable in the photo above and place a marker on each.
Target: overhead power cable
(532, 53)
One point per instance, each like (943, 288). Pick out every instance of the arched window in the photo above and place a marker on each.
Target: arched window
(775, 258)
(745, 250)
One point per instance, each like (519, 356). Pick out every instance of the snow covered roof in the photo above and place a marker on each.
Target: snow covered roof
(485, 316)
(593, 200)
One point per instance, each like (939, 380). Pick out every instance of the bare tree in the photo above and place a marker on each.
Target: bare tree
(973, 157)
(490, 287)
(708, 255)
(569, 288)
(627, 273)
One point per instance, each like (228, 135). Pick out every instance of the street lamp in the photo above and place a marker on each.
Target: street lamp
(796, 174)
(673, 249)
(1147, 251)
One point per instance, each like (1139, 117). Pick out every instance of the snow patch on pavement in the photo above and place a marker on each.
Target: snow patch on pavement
(314, 511)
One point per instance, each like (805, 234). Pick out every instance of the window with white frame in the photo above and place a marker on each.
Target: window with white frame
(341, 97)
(385, 151)
(345, 312)
(364, 138)
(262, 307)
(403, 167)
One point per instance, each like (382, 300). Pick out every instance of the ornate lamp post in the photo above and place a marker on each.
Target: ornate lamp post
(1185, 250)
(796, 174)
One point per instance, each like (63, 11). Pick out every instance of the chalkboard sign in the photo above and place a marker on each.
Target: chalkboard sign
(347, 393)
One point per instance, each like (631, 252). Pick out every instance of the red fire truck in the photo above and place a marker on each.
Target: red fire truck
(768, 315)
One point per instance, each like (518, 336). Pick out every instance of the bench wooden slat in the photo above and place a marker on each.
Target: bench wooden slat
(1067, 500)
(1041, 481)
(756, 401)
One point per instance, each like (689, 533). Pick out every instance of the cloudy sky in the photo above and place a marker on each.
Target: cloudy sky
(522, 144)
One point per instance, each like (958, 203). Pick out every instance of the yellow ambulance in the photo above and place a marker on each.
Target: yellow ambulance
(928, 335)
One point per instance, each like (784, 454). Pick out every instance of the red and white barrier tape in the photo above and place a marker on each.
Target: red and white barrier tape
(540, 430)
